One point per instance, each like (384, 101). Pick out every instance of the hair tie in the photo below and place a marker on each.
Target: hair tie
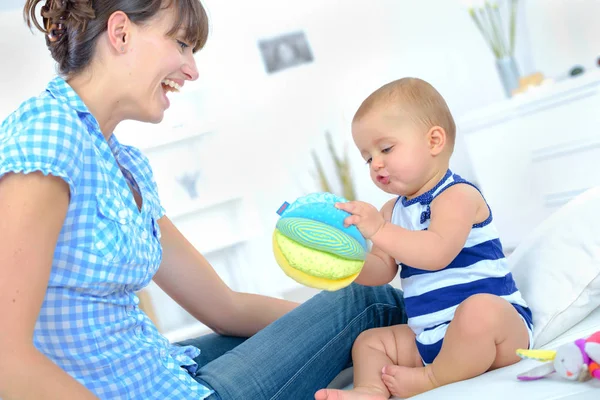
(54, 30)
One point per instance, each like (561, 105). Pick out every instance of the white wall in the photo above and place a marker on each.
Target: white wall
(272, 121)
(565, 33)
(26, 64)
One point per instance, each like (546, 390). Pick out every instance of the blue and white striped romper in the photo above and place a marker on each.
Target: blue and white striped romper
(431, 297)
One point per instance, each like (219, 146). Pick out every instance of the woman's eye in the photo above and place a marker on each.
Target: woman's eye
(182, 45)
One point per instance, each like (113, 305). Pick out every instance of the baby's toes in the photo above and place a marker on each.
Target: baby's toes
(391, 384)
(389, 376)
(392, 370)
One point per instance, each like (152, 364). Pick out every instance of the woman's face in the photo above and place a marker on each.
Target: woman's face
(157, 64)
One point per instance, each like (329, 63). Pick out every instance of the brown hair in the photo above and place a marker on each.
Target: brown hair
(417, 100)
(72, 27)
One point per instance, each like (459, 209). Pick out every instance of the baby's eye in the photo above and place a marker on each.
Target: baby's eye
(182, 45)
(368, 161)
(387, 150)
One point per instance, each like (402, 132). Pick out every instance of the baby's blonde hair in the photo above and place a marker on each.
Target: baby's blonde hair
(416, 99)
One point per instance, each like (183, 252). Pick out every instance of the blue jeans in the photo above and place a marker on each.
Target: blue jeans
(299, 353)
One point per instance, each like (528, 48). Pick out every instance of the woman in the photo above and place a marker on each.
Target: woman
(83, 229)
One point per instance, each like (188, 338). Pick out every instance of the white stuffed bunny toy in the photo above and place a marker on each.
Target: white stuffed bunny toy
(576, 361)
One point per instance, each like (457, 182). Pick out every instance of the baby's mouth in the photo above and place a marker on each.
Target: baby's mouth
(383, 179)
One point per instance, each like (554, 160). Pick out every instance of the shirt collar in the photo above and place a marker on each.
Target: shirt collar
(427, 197)
(61, 90)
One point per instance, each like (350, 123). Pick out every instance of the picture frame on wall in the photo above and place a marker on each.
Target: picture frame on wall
(285, 51)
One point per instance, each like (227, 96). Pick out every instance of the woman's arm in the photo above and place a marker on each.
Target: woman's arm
(32, 211)
(191, 281)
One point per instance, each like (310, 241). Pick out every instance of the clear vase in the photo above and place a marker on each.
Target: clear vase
(509, 73)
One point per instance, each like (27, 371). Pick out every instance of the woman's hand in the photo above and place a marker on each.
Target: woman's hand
(365, 217)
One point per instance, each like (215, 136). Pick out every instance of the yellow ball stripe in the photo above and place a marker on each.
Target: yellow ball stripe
(308, 280)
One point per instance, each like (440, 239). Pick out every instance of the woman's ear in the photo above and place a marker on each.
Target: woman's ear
(436, 140)
(119, 30)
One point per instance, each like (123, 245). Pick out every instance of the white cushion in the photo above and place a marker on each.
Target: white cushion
(557, 267)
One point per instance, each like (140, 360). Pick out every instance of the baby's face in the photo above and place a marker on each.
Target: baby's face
(395, 149)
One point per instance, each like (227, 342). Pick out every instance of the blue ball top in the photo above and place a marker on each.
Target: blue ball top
(321, 207)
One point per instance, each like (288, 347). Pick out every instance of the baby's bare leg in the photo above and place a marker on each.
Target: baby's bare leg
(380, 347)
(373, 350)
(484, 334)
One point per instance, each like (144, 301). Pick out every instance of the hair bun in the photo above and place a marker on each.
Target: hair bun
(62, 15)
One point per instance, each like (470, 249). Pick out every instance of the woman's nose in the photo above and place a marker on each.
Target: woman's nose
(190, 69)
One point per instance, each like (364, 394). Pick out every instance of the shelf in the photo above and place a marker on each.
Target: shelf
(194, 207)
(150, 137)
(176, 135)
(224, 245)
(539, 99)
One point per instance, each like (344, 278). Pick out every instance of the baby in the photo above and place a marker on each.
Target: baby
(465, 313)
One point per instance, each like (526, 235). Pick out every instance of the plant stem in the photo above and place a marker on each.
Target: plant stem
(323, 183)
(499, 24)
(490, 22)
(484, 32)
(513, 25)
(496, 34)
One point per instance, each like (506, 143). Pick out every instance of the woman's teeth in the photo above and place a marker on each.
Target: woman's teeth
(170, 86)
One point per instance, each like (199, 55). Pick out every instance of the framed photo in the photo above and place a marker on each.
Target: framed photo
(285, 51)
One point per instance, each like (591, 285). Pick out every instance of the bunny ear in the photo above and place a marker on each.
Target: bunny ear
(538, 372)
(593, 351)
(539, 355)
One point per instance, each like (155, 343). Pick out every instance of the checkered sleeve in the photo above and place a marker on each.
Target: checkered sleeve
(43, 137)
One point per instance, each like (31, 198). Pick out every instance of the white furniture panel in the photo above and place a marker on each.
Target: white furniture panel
(567, 169)
(175, 322)
(535, 152)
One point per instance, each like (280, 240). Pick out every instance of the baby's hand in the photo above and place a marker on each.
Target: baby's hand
(364, 216)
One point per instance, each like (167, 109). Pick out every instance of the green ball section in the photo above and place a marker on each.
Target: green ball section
(320, 236)
(314, 262)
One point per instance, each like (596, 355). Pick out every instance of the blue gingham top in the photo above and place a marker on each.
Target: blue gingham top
(90, 323)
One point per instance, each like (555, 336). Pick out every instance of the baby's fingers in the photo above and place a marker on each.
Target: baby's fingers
(348, 206)
(351, 220)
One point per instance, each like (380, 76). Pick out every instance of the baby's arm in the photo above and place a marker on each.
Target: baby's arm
(379, 267)
(453, 214)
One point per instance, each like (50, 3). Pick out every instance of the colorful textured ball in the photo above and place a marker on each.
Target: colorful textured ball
(312, 245)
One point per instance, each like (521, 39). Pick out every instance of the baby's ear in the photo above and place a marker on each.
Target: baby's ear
(593, 351)
(436, 138)
(538, 372)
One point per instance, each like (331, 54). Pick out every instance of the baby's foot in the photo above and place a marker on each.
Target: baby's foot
(406, 381)
(354, 394)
